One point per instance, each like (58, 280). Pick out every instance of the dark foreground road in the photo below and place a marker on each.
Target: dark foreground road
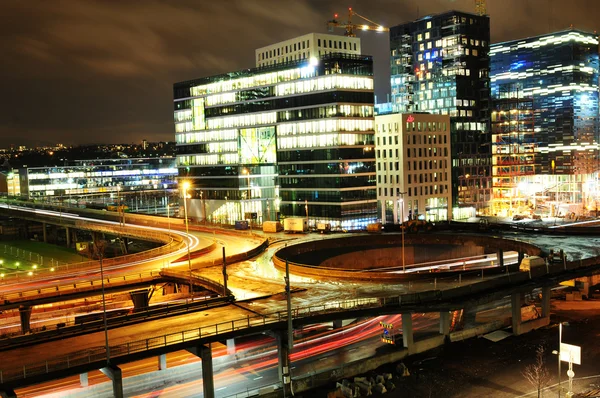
(480, 368)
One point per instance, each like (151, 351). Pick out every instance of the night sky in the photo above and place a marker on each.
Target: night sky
(92, 71)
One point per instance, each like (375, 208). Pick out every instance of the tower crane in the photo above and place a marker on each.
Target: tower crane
(480, 7)
(351, 27)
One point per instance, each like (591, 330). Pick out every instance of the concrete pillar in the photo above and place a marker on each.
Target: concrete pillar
(204, 353)
(445, 323)
(140, 299)
(7, 393)
(396, 203)
(230, 346)
(162, 362)
(114, 373)
(25, 315)
(283, 359)
(169, 288)
(83, 379)
(383, 221)
(68, 232)
(546, 293)
(337, 324)
(44, 233)
(515, 301)
(500, 257)
(469, 318)
(588, 282)
(208, 382)
(407, 332)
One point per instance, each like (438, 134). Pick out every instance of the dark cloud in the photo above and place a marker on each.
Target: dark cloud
(85, 71)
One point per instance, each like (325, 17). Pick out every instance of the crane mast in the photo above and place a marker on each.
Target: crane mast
(480, 7)
(351, 27)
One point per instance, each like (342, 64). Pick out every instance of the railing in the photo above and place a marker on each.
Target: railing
(77, 325)
(56, 290)
(98, 353)
(453, 293)
(55, 270)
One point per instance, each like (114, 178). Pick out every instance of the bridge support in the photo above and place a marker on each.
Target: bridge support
(68, 233)
(204, 352)
(445, 323)
(25, 315)
(162, 362)
(337, 324)
(44, 232)
(515, 303)
(230, 346)
(7, 393)
(407, 332)
(140, 299)
(520, 327)
(83, 379)
(283, 359)
(114, 373)
(500, 257)
(546, 294)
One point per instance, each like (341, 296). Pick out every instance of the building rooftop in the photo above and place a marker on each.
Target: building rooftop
(529, 38)
(266, 68)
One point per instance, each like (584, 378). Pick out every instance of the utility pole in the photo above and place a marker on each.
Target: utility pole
(100, 253)
(402, 229)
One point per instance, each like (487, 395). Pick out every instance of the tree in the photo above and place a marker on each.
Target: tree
(537, 373)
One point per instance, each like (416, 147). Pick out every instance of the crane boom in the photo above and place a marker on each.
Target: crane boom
(352, 27)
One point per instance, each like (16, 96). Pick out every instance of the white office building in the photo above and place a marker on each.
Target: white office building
(414, 180)
(310, 46)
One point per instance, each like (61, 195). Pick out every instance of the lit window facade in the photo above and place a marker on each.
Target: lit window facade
(414, 175)
(99, 178)
(312, 45)
(515, 152)
(279, 139)
(440, 65)
(559, 72)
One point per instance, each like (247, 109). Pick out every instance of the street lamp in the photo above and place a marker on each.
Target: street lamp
(401, 200)
(186, 186)
(246, 172)
(203, 205)
(169, 215)
(100, 252)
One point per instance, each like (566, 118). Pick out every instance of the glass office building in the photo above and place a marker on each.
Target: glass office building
(558, 74)
(289, 139)
(139, 183)
(440, 65)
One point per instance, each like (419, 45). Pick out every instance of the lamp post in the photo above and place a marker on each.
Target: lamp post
(100, 253)
(169, 215)
(277, 203)
(186, 185)
(246, 172)
(401, 200)
(203, 205)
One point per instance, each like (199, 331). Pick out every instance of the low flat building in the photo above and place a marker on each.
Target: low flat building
(312, 45)
(414, 176)
(99, 181)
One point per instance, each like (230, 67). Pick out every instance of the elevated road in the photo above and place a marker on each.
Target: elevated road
(337, 300)
(42, 362)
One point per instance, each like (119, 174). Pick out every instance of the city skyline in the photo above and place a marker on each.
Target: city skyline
(104, 73)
